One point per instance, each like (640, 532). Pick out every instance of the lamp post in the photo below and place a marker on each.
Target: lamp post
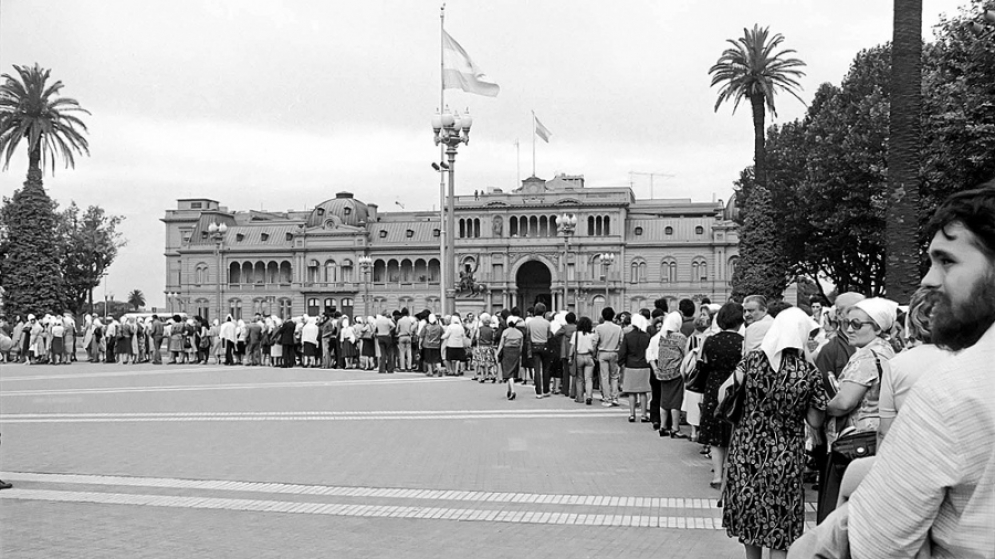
(450, 130)
(108, 297)
(567, 224)
(365, 263)
(217, 232)
(607, 259)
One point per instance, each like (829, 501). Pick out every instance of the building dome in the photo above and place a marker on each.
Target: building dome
(341, 210)
(731, 212)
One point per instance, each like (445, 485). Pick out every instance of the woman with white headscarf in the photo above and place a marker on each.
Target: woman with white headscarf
(431, 342)
(856, 403)
(454, 341)
(347, 343)
(509, 353)
(636, 370)
(665, 353)
(763, 497)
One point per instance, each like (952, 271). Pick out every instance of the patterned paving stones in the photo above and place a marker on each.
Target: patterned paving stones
(219, 462)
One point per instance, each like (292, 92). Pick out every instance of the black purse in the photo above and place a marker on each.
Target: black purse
(856, 445)
(731, 407)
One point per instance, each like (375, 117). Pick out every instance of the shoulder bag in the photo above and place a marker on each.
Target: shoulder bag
(852, 444)
(732, 399)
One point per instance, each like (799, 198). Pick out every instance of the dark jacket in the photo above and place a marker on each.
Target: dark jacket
(632, 351)
(287, 332)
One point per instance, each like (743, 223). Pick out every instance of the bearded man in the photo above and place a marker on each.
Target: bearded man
(931, 490)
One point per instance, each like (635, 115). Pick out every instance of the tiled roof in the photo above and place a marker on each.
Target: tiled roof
(397, 232)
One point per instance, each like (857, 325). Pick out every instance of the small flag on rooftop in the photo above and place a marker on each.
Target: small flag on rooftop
(459, 72)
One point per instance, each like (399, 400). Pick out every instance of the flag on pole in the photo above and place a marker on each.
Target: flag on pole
(459, 72)
(541, 130)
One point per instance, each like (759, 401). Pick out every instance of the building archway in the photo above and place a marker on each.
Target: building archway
(534, 284)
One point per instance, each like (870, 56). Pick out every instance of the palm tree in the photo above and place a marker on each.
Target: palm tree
(31, 111)
(752, 69)
(902, 221)
(136, 299)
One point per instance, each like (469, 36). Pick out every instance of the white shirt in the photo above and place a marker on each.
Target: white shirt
(935, 473)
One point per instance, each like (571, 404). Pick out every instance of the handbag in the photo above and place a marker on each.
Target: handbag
(732, 403)
(854, 444)
(697, 378)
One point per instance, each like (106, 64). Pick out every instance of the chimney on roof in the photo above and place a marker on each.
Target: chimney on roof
(343, 194)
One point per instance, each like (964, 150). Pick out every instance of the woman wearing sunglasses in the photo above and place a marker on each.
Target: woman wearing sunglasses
(855, 405)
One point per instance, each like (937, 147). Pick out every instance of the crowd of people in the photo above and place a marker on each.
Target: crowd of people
(892, 407)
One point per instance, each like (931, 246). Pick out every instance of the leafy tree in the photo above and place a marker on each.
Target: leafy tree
(29, 255)
(753, 69)
(89, 243)
(904, 139)
(136, 299)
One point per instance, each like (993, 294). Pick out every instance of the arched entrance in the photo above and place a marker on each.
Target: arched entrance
(534, 280)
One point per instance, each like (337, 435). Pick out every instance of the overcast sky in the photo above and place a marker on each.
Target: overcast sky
(280, 104)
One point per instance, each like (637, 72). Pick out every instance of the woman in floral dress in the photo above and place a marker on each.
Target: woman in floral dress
(764, 500)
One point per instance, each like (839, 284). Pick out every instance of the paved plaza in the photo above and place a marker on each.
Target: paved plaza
(204, 461)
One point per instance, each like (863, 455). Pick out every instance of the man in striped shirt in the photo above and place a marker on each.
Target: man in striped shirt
(933, 484)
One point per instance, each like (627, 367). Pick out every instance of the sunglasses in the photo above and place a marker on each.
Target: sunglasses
(856, 324)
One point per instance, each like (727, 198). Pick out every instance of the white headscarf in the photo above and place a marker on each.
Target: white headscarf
(432, 319)
(882, 311)
(455, 319)
(790, 329)
(672, 323)
(559, 321)
(639, 321)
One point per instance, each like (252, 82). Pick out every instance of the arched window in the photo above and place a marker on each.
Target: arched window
(699, 230)
(286, 308)
(331, 271)
(201, 276)
(590, 225)
(637, 271)
(668, 271)
(234, 273)
(533, 226)
(432, 303)
(312, 307)
(421, 271)
(406, 271)
(598, 303)
(668, 230)
(379, 271)
(286, 273)
(433, 270)
(247, 272)
(347, 305)
(598, 223)
(329, 304)
(699, 269)
(476, 227)
(554, 228)
(513, 227)
(379, 304)
(272, 272)
(543, 226)
(259, 306)
(393, 271)
(607, 229)
(637, 303)
(347, 271)
(259, 273)
(731, 267)
(235, 308)
(406, 302)
(462, 228)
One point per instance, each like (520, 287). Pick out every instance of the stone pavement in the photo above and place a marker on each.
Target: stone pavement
(207, 461)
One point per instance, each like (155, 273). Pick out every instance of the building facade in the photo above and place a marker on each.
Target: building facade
(623, 252)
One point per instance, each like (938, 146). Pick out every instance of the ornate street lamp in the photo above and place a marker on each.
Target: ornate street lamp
(607, 259)
(365, 264)
(217, 232)
(451, 130)
(567, 223)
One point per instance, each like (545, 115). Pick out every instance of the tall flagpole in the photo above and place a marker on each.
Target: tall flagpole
(442, 173)
(533, 143)
(518, 164)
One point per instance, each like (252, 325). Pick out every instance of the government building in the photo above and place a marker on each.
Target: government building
(346, 254)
